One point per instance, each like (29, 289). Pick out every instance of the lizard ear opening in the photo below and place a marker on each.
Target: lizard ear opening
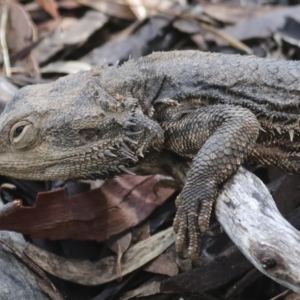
(23, 135)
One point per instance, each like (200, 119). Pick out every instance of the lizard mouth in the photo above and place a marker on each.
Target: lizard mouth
(81, 163)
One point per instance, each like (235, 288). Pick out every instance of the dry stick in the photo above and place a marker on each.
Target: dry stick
(281, 295)
(4, 17)
(248, 214)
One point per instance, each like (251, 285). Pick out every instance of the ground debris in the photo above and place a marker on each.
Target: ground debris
(114, 240)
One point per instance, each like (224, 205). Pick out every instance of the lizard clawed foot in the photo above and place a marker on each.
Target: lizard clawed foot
(192, 218)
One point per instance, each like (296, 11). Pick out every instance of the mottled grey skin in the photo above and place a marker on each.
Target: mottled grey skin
(191, 115)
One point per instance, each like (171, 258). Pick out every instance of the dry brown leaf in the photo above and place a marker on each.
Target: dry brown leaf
(163, 264)
(231, 14)
(66, 67)
(231, 40)
(215, 274)
(51, 30)
(150, 288)
(119, 246)
(83, 29)
(117, 205)
(115, 9)
(96, 273)
(140, 232)
(145, 8)
(50, 6)
(262, 26)
(48, 27)
(138, 9)
(20, 34)
(292, 296)
(70, 31)
(68, 4)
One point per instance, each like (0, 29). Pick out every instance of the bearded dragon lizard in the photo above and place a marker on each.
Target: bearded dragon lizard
(191, 115)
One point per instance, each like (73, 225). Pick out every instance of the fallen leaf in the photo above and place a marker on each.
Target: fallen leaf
(96, 273)
(66, 67)
(83, 29)
(138, 9)
(21, 33)
(70, 32)
(290, 32)
(50, 6)
(263, 26)
(115, 9)
(68, 4)
(292, 296)
(230, 14)
(140, 232)
(152, 287)
(134, 42)
(163, 264)
(98, 214)
(119, 245)
(214, 275)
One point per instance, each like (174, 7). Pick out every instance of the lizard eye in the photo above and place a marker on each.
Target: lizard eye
(18, 131)
(23, 135)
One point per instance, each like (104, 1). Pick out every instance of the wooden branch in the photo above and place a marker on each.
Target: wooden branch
(249, 215)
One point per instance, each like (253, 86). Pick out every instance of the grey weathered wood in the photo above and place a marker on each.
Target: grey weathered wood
(7, 91)
(249, 215)
(17, 280)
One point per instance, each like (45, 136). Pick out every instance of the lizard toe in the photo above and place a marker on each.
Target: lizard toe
(194, 236)
(179, 200)
(205, 214)
(180, 227)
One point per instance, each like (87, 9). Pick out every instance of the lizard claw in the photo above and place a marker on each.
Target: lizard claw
(191, 220)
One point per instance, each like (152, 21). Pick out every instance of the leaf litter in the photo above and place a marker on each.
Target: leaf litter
(114, 240)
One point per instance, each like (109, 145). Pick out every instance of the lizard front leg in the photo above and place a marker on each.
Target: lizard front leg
(218, 138)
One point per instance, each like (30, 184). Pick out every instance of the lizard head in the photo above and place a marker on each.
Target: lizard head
(72, 128)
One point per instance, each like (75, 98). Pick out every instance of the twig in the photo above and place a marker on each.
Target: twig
(281, 295)
(4, 17)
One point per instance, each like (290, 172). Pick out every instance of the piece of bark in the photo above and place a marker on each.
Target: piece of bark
(117, 205)
(250, 217)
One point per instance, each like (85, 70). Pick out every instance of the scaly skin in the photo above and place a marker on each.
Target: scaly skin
(191, 115)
